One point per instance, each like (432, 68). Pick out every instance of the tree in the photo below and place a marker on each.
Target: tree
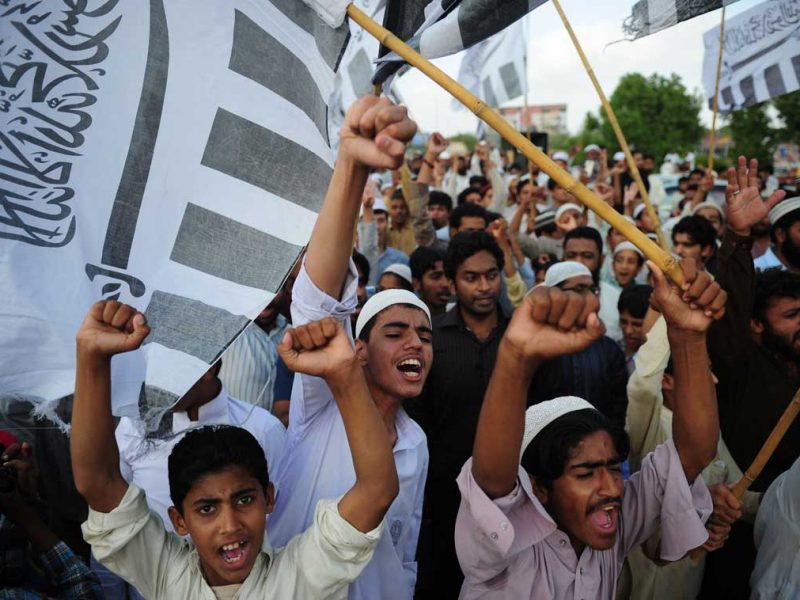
(592, 131)
(753, 134)
(656, 114)
(788, 107)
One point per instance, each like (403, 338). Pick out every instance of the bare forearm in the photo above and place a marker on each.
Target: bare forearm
(376, 483)
(95, 456)
(695, 424)
(331, 242)
(495, 457)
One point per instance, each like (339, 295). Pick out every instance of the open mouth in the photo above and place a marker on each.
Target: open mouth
(234, 555)
(605, 518)
(411, 368)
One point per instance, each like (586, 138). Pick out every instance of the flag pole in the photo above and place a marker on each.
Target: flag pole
(763, 456)
(712, 142)
(612, 118)
(492, 118)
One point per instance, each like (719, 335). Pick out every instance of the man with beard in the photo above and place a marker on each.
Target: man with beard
(465, 346)
(755, 351)
(393, 348)
(785, 235)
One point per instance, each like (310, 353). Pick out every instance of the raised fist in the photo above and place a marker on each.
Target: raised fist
(375, 133)
(692, 308)
(320, 348)
(111, 328)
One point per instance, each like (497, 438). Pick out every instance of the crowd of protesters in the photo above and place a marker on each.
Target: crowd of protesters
(468, 387)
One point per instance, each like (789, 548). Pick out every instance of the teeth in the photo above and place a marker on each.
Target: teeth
(411, 361)
(233, 546)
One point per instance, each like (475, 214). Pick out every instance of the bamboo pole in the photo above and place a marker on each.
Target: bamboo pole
(650, 249)
(763, 456)
(712, 142)
(612, 118)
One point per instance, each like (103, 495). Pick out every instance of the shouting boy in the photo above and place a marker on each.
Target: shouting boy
(219, 483)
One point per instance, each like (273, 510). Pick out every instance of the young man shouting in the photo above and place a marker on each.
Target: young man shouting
(545, 513)
(219, 483)
(394, 349)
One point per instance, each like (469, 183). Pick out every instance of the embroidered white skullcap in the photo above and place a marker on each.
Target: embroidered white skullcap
(592, 148)
(401, 270)
(709, 204)
(565, 207)
(784, 208)
(561, 155)
(385, 299)
(618, 156)
(638, 210)
(626, 245)
(562, 271)
(539, 416)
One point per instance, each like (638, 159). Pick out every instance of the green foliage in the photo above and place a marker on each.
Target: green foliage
(788, 107)
(752, 132)
(656, 114)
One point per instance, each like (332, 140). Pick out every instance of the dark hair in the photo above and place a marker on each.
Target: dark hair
(585, 232)
(424, 259)
(699, 229)
(548, 453)
(493, 216)
(437, 198)
(697, 171)
(635, 299)
(551, 184)
(522, 183)
(466, 244)
(462, 197)
(683, 179)
(770, 284)
(361, 263)
(478, 181)
(212, 449)
(467, 210)
(398, 195)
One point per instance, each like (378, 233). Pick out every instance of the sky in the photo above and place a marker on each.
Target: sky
(555, 72)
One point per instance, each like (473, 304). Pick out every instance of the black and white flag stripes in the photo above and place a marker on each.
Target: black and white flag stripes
(171, 154)
(649, 16)
(761, 55)
(441, 27)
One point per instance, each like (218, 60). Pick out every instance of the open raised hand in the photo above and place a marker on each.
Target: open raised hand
(111, 328)
(320, 348)
(692, 308)
(552, 323)
(375, 133)
(745, 207)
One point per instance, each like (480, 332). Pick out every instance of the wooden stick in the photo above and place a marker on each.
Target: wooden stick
(763, 456)
(612, 118)
(712, 142)
(650, 249)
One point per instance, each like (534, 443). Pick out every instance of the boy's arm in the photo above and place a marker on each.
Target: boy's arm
(374, 135)
(549, 323)
(109, 328)
(322, 349)
(689, 312)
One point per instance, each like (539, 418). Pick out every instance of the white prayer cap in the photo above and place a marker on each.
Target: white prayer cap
(385, 299)
(626, 245)
(784, 208)
(565, 207)
(618, 156)
(561, 155)
(562, 271)
(638, 210)
(709, 204)
(539, 416)
(592, 148)
(444, 155)
(401, 270)
(379, 204)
